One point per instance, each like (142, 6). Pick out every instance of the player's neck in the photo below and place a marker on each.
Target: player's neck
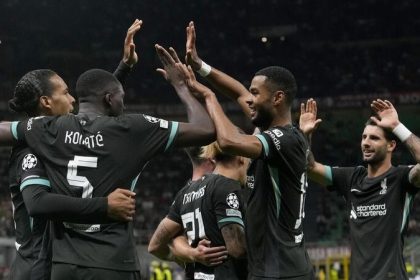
(229, 172)
(91, 110)
(375, 170)
(282, 118)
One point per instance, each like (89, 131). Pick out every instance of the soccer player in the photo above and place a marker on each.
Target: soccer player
(89, 154)
(42, 93)
(208, 208)
(378, 197)
(277, 174)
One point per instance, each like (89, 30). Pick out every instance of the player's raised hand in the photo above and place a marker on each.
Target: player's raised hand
(209, 256)
(386, 115)
(191, 56)
(170, 71)
(121, 205)
(308, 121)
(130, 55)
(199, 90)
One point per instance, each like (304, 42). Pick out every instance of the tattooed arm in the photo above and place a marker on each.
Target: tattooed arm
(234, 237)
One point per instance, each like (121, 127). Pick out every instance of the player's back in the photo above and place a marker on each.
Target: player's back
(205, 206)
(91, 157)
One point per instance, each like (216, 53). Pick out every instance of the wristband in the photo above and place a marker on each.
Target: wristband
(401, 132)
(205, 69)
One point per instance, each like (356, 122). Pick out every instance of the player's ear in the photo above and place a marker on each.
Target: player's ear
(108, 99)
(278, 97)
(44, 102)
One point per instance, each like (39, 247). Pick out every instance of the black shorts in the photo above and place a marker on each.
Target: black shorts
(64, 271)
(21, 268)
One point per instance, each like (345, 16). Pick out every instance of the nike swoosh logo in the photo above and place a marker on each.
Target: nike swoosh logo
(355, 190)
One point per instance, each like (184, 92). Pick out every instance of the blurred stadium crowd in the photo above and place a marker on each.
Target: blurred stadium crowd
(333, 48)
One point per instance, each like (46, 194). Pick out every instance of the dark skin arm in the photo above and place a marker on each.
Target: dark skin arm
(200, 129)
(228, 136)
(222, 82)
(6, 136)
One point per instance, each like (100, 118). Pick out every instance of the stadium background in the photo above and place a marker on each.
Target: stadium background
(343, 53)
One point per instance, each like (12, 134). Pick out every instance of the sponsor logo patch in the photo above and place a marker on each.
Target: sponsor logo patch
(151, 119)
(234, 213)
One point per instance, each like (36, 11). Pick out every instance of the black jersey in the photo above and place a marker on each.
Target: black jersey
(275, 209)
(378, 209)
(90, 158)
(203, 207)
(25, 169)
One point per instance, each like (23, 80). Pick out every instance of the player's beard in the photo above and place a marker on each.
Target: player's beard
(378, 156)
(262, 119)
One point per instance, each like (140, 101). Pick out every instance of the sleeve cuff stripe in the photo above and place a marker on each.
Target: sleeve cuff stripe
(328, 173)
(174, 130)
(231, 220)
(43, 182)
(13, 128)
(264, 143)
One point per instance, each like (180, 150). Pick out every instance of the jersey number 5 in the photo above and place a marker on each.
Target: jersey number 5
(81, 181)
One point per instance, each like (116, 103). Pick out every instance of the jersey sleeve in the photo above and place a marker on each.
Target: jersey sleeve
(274, 141)
(227, 204)
(340, 179)
(122, 72)
(409, 187)
(32, 171)
(175, 209)
(31, 131)
(154, 134)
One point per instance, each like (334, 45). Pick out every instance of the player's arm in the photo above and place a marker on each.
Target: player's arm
(130, 57)
(308, 123)
(222, 82)
(234, 236)
(203, 253)
(228, 136)
(6, 135)
(200, 129)
(119, 205)
(387, 118)
(163, 235)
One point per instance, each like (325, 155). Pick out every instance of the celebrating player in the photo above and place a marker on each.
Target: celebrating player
(378, 197)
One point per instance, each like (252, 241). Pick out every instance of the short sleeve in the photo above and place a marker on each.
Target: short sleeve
(175, 209)
(275, 142)
(340, 179)
(157, 134)
(227, 204)
(32, 171)
(405, 181)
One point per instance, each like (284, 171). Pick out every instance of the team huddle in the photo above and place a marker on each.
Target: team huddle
(72, 177)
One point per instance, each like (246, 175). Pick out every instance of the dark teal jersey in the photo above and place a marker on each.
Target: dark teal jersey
(203, 207)
(275, 210)
(25, 167)
(91, 158)
(378, 210)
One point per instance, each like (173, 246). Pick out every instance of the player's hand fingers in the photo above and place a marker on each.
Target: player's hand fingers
(163, 73)
(174, 55)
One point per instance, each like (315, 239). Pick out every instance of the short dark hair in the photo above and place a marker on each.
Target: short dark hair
(95, 82)
(389, 136)
(280, 78)
(29, 89)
